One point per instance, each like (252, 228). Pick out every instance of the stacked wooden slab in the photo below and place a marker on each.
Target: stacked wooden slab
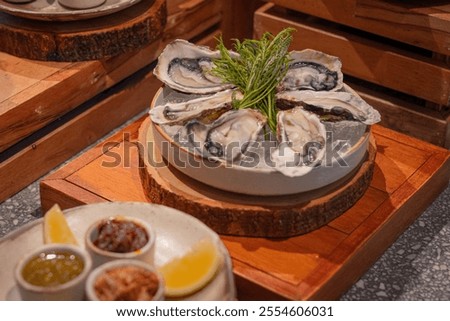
(394, 53)
(49, 111)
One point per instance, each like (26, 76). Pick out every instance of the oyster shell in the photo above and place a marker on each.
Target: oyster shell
(312, 70)
(336, 105)
(186, 67)
(302, 140)
(227, 138)
(179, 113)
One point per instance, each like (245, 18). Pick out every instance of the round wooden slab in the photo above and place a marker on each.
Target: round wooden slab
(97, 38)
(237, 214)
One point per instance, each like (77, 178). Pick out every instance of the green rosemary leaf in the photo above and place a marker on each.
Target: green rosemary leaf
(261, 66)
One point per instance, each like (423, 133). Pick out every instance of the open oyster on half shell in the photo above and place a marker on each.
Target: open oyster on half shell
(312, 70)
(186, 67)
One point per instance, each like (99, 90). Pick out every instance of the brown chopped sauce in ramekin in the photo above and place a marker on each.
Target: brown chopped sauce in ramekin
(120, 236)
(126, 283)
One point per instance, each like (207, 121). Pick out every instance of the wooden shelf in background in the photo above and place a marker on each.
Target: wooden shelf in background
(410, 86)
(401, 21)
(362, 57)
(38, 97)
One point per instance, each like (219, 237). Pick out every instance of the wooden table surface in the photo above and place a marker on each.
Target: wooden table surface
(320, 265)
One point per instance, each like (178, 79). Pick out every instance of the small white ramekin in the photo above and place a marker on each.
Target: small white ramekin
(90, 283)
(72, 290)
(100, 256)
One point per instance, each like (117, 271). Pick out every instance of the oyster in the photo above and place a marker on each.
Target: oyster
(335, 105)
(179, 113)
(302, 140)
(312, 70)
(227, 138)
(186, 67)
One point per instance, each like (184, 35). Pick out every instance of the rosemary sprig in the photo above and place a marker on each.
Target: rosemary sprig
(261, 66)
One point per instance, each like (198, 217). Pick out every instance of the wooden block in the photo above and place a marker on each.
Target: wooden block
(407, 117)
(316, 266)
(435, 16)
(238, 20)
(106, 36)
(192, 19)
(363, 58)
(34, 99)
(405, 25)
(53, 148)
(36, 93)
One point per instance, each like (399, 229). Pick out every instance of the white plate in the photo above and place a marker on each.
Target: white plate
(260, 181)
(51, 10)
(176, 232)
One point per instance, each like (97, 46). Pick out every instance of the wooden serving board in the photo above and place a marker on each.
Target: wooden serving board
(97, 38)
(320, 265)
(245, 215)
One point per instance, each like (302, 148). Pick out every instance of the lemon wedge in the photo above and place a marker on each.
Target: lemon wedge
(56, 229)
(189, 273)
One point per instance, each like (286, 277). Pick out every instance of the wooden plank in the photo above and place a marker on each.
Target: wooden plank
(192, 19)
(113, 141)
(405, 139)
(254, 289)
(43, 102)
(55, 192)
(46, 153)
(238, 20)
(406, 117)
(433, 16)
(392, 169)
(305, 249)
(344, 12)
(361, 249)
(357, 214)
(364, 58)
(109, 171)
(318, 265)
(17, 74)
(31, 99)
(210, 40)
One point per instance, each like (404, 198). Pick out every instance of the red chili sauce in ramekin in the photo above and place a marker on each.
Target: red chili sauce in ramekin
(120, 236)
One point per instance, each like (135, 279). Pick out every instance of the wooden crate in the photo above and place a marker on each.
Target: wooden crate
(44, 106)
(409, 85)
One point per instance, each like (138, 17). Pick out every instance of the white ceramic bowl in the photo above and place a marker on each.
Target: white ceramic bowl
(99, 256)
(72, 290)
(81, 4)
(251, 180)
(91, 293)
